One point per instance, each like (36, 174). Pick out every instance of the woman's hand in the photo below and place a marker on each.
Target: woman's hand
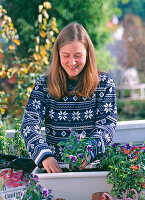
(51, 165)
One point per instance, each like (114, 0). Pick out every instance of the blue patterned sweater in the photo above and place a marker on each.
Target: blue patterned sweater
(95, 116)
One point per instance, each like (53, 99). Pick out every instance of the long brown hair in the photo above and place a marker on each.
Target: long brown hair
(88, 77)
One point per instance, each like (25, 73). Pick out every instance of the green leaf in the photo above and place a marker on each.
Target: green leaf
(61, 143)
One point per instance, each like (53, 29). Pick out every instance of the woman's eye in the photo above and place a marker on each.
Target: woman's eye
(78, 56)
(75, 56)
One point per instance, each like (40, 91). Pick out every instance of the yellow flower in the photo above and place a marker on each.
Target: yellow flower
(42, 33)
(44, 26)
(44, 23)
(40, 8)
(16, 42)
(3, 74)
(29, 89)
(51, 33)
(11, 47)
(45, 60)
(37, 57)
(25, 71)
(37, 39)
(5, 17)
(2, 111)
(43, 52)
(40, 18)
(53, 39)
(44, 12)
(47, 5)
(47, 46)
(37, 48)
(4, 11)
(55, 29)
(10, 21)
(10, 70)
(11, 25)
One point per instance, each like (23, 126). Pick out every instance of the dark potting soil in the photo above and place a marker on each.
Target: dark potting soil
(105, 168)
(65, 170)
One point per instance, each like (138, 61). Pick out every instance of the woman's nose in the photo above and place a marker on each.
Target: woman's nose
(72, 61)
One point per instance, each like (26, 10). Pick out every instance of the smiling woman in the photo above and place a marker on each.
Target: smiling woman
(72, 94)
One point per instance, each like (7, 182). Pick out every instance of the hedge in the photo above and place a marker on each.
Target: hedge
(131, 110)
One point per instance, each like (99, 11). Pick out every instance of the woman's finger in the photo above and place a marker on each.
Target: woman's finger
(56, 169)
(48, 170)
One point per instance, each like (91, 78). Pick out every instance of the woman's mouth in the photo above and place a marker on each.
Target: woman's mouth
(74, 67)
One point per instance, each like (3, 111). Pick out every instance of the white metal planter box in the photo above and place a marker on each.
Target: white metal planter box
(74, 185)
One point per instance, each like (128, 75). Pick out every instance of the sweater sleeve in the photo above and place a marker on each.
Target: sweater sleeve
(106, 115)
(32, 122)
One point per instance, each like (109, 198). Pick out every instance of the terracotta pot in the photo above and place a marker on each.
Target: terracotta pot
(109, 197)
(97, 195)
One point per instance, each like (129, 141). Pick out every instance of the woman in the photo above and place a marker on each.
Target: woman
(72, 95)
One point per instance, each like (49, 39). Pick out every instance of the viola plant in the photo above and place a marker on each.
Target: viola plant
(126, 169)
(77, 148)
(34, 191)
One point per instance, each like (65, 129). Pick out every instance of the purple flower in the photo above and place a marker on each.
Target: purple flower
(28, 184)
(45, 192)
(39, 186)
(80, 155)
(69, 146)
(80, 136)
(35, 177)
(129, 146)
(49, 191)
(73, 158)
(115, 145)
(89, 148)
(71, 130)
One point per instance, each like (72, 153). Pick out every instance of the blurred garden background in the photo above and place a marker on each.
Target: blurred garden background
(28, 30)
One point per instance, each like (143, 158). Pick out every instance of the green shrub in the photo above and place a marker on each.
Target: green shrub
(13, 145)
(131, 110)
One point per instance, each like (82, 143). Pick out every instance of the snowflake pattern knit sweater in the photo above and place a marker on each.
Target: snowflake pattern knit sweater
(95, 116)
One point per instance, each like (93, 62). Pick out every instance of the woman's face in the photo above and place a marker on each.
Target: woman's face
(73, 58)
